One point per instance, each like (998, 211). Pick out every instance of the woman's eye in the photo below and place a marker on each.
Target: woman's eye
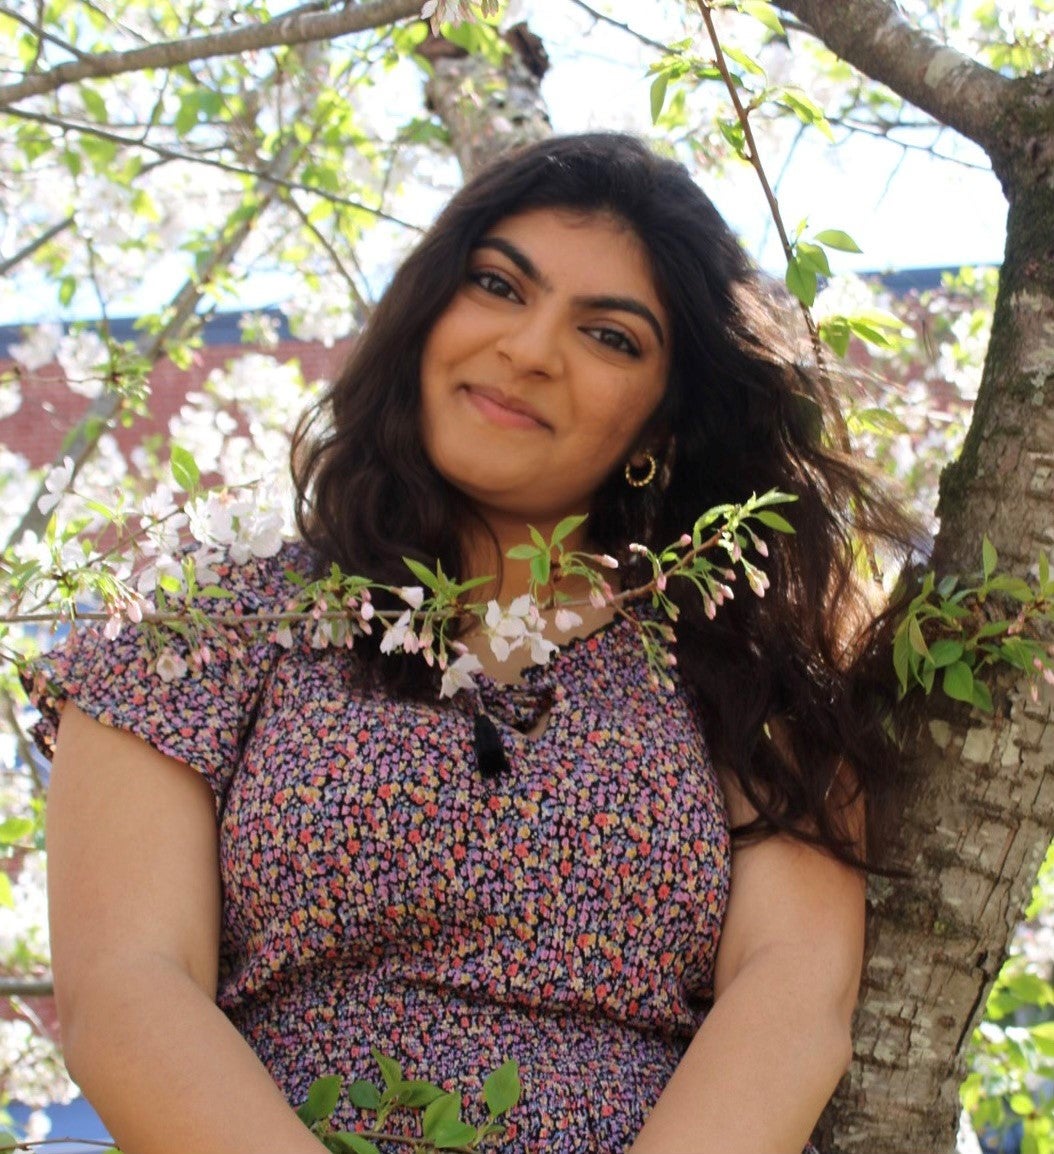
(615, 339)
(491, 282)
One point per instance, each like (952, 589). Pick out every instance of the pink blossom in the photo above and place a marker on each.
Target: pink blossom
(684, 540)
(112, 626)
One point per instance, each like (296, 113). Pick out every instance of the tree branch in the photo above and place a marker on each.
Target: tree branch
(29, 249)
(300, 28)
(874, 37)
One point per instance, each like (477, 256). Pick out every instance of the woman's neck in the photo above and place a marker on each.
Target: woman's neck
(486, 554)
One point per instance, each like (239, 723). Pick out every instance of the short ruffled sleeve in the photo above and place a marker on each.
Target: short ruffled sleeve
(201, 715)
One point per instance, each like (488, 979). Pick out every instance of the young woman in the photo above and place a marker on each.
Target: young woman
(651, 897)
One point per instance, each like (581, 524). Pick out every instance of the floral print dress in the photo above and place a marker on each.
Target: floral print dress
(379, 891)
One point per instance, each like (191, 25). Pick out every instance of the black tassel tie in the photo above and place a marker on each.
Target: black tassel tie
(490, 753)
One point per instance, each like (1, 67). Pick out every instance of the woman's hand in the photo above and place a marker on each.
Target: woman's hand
(134, 896)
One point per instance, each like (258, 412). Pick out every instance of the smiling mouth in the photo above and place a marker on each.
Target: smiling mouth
(499, 409)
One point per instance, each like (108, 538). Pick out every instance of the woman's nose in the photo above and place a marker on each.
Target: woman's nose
(531, 343)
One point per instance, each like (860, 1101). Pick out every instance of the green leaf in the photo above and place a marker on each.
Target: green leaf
(446, 1108)
(537, 538)
(813, 258)
(364, 1095)
(990, 558)
(835, 238)
(501, 1090)
(350, 1141)
(67, 289)
(567, 526)
(658, 95)
(416, 1093)
(7, 893)
(765, 13)
(7, 1140)
(945, 652)
(1044, 570)
(918, 642)
(323, 1096)
(391, 1071)
(1021, 1103)
(15, 829)
(449, 1135)
(540, 568)
(901, 650)
(423, 574)
(774, 521)
(801, 282)
(834, 331)
(1013, 587)
(958, 682)
(94, 104)
(982, 698)
(522, 552)
(744, 60)
(184, 469)
(876, 420)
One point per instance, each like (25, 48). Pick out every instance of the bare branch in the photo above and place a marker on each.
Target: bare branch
(873, 36)
(293, 29)
(602, 18)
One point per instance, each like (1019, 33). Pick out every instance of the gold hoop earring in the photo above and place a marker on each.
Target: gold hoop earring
(640, 481)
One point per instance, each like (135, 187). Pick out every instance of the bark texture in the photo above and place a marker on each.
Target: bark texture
(982, 812)
(488, 110)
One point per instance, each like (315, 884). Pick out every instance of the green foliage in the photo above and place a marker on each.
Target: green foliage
(960, 629)
(438, 1112)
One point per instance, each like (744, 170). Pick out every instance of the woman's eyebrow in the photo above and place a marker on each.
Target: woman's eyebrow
(626, 305)
(530, 270)
(519, 258)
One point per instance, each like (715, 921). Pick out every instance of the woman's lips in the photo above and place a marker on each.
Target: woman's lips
(499, 409)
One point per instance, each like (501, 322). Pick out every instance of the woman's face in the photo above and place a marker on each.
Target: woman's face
(541, 374)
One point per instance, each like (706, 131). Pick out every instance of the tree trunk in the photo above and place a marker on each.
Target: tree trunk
(488, 110)
(982, 814)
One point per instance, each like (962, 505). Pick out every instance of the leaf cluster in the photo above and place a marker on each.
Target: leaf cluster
(438, 1111)
(955, 631)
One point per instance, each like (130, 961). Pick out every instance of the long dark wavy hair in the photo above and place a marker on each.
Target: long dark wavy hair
(794, 690)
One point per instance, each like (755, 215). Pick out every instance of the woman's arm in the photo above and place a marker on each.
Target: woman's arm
(134, 897)
(776, 1042)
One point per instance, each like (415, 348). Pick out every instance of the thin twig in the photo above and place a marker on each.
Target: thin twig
(334, 256)
(754, 157)
(602, 18)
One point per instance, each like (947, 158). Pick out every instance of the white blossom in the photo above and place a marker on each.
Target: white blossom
(458, 674)
(84, 359)
(413, 595)
(39, 347)
(56, 483)
(398, 634)
(566, 620)
(10, 398)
